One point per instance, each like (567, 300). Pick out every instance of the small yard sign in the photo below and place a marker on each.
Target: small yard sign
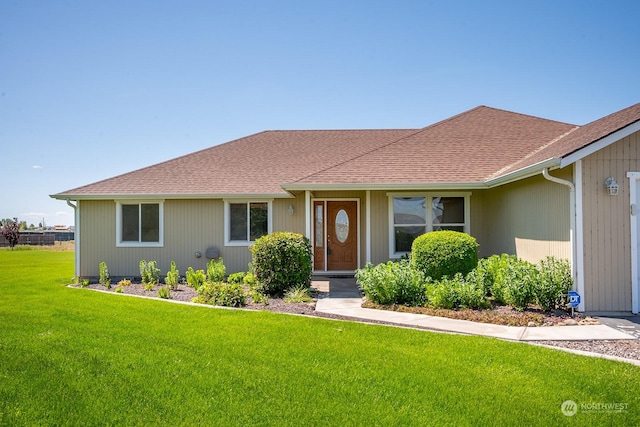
(574, 299)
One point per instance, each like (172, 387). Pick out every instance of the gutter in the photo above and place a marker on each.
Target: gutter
(572, 231)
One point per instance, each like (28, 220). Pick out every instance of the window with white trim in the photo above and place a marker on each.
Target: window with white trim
(139, 223)
(246, 221)
(412, 215)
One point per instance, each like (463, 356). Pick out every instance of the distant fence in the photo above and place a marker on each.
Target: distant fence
(40, 239)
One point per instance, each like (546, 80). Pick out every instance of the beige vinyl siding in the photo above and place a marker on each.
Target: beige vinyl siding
(379, 227)
(606, 227)
(528, 218)
(190, 226)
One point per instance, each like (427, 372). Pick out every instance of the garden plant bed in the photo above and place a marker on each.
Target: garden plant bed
(497, 314)
(502, 315)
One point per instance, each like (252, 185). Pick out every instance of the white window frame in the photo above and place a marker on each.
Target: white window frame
(429, 196)
(227, 220)
(139, 244)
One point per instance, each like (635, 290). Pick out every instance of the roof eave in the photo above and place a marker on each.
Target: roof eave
(523, 173)
(114, 196)
(600, 144)
(384, 186)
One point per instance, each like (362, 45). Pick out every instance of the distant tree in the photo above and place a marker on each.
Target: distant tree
(11, 231)
(22, 225)
(32, 227)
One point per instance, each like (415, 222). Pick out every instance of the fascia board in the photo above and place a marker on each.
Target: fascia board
(170, 196)
(523, 173)
(600, 144)
(386, 186)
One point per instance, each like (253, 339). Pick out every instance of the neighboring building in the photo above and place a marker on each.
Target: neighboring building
(519, 184)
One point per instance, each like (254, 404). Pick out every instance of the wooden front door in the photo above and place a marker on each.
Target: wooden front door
(342, 234)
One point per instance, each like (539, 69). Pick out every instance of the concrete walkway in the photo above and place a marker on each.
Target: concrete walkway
(345, 300)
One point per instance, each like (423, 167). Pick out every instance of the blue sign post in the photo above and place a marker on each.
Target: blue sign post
(574, 300)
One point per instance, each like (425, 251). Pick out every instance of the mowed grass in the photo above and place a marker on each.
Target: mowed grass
(78, 357)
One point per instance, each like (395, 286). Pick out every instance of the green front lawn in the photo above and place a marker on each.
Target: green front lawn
(78, 357)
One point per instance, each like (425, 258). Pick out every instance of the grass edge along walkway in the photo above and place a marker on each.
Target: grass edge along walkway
(70, 357)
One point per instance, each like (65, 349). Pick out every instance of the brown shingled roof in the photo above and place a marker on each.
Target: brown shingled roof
(471, 148)
(256, 164)
(467, 148)
(581, 137)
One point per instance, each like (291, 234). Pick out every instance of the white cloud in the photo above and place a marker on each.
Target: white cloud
(64, 213)
(37, 167)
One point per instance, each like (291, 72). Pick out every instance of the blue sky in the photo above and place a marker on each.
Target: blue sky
(93, 89)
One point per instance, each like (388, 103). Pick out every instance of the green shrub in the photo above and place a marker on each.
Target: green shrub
(236, 277)
(85, 282)
(216, 270)
(282, 260)
(173, 277)
(495, 267)
(164, 292)
(392, 283)
(553, 284)
(195, 278)
(441, 294)
(457, 292)
(119, 289)
(481, 278)
(221, 294)
(149, 272)
(258, 297)
(297, 294)
(105, 278)
(519, 284)
(444, 253)
(249, 279)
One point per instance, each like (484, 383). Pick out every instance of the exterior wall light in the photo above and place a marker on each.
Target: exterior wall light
(291, 209)
(612, 186)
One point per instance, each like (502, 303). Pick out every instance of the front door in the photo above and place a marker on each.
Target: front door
(335, 235)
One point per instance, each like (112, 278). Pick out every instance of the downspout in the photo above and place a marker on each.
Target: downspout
(76, 238)
(572, 226)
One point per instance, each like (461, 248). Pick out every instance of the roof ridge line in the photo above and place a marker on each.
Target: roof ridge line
(433, 125)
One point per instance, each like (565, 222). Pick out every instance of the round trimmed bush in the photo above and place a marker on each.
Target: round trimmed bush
(444, 253)
(282, 260)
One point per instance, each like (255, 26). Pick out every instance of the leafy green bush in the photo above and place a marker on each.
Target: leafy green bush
(392, 283)
(554, 282)
(297, 294)
(216, 270)
(195, 278)
(164, 292)
(173, 277)
(249, 279)
(119, 289)
(444, 253)
(519, 284)
(282, 260)
(236, 277)
(258, 297)
(495, 267)
(221, 294)
(105, 278)
(457, 292)
(441, 294)
(149, 272)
